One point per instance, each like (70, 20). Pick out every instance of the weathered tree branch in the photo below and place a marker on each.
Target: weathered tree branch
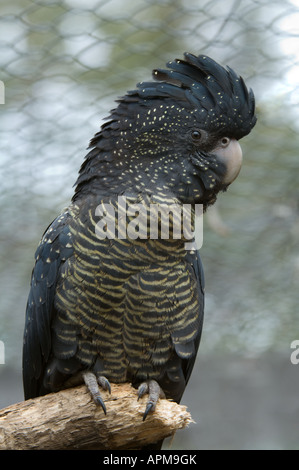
(69, 419)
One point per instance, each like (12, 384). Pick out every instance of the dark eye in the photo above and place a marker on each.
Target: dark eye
(225, 141)
(199, 137)
(196, 136)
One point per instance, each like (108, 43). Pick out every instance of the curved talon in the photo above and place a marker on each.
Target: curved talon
(142, 390)
(104, 383)
(150, 406)
(99, 401)
(92, 383)
(155, 392)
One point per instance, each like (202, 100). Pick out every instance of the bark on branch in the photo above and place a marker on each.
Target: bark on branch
(69, 419)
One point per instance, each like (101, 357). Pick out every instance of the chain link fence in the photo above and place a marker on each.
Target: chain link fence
(63, 63)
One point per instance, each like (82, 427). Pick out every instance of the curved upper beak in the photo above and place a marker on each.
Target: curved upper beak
(231, 156)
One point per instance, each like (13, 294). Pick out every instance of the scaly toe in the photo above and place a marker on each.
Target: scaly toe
(104, 383)
(92, 383)
(154, 391)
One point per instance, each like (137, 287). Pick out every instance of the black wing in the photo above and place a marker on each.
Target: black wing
(199, 275)
(180, 365)
(54, 249)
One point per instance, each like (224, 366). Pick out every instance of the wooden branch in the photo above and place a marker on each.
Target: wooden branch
(69, 419)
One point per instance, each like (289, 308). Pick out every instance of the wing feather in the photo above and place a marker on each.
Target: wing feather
(54, 248)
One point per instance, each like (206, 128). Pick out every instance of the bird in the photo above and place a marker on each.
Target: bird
(108, 302)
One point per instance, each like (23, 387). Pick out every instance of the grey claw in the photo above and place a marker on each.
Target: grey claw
(155, 392)
(99, 401)
(142, 390)
(104, 383)
(92, 383)
(148, 408)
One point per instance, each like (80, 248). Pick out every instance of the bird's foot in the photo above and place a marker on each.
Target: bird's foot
(154, 391)
(92, 382)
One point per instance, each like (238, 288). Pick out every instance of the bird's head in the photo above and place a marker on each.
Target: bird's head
(178, 134)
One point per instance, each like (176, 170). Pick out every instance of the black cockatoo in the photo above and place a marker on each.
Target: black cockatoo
(121, 308)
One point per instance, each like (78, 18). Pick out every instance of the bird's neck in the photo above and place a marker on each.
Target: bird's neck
(149, 169)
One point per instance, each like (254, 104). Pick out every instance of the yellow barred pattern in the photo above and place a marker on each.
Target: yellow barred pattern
(127, 302)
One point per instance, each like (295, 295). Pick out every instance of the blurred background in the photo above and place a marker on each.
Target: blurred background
(63, 63)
